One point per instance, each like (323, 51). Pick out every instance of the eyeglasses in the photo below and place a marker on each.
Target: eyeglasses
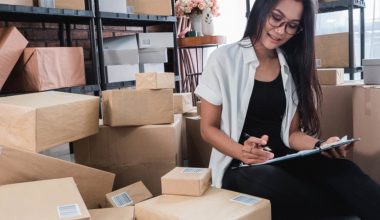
(277, 20)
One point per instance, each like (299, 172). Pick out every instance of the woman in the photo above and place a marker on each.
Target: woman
(263, 91)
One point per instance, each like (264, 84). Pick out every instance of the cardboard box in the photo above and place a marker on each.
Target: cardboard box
(152, 67)
(17, 2)
(371, 71)
(149, 7)
(39, 121)
(199, 151)
(70, 4)
(120, 73)
(186, 181)
(331, 51)
(115, 6)
(129, 195)
(155, 40)
(366, 113)
(18, 166)
(57, 199)
(12, 44)
(121, 56)
(41, 69)
(183, 102)
(155, 81)
(331, 76)
(137, 107)
(153, 55)
(125, 213)
(215, 204)
(128, 42)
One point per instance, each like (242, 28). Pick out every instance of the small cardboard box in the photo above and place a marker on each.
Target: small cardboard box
(12, 44)
(57, 199)
(125, 213)
(371, 71)
(186, 181)
(137, 107)
(39, 121)
(20, 166)
(128, 42)
(183, 102)
(331, 50)
(155, 81)
(152, 67)
(41, 69)
(129, 195)
(120, 73)
(121, 56)
(153, 55)
(149, 7)
(155, 40)
(70, 4)
(17, 2)
(115, 6)
(214, 204)
(331, 76)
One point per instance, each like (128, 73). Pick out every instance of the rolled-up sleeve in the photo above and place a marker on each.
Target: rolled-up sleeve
(209, 87)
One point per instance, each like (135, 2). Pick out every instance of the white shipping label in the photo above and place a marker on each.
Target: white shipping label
(68, 211)
(193, 170)
(122, 200)
(245, 199)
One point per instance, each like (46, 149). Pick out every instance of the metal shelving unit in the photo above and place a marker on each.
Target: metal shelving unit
(135, 20)
(64, 18)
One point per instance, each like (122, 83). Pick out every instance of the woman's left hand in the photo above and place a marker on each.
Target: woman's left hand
(339, 153)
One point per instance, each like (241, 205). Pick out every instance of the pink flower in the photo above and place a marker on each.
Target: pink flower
(201, 5)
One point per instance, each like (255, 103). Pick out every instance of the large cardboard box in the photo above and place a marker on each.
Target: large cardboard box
(17, 2)
(56, 199)
(155, 40)
(156, 7)
(199, 151)
(330, 76)
(186, 181)
(41, 69)
(115, 6)
(155, 81)
(215, 204)
(70, 4)
(12, 44)
(39, 121)
(137, 107)
(129, 195)
(183, 102)
(331, 50)
(366, 102)
(120, 73)
(125, 213)
(18, 166)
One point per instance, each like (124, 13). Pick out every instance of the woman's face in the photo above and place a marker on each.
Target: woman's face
(282, 23)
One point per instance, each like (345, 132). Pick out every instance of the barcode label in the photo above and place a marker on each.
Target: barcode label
(245, 199)
(122, 199)
(68, 211)
(193, 170)
(146, 42)
(318, 63)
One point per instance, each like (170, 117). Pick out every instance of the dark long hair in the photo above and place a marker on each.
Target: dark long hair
(300, 55)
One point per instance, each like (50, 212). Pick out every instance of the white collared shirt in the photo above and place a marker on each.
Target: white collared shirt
(227, 80)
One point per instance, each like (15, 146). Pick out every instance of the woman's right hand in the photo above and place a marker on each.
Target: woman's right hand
(253, 151)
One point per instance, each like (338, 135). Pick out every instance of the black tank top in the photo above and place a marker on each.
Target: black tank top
(264, 115)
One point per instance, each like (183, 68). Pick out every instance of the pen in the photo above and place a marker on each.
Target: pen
(266, 148)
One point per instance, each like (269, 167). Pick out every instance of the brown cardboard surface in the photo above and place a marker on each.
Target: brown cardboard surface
(155, 81)
(183, 102)
(137, 107)
(366, 122)
(47, 68)
(215, 204)
(186, 181)
(17, 2)
(39, 121)
(18, 166)
(125, 213)
(18, 201)
(70, 4)
(12, 44)
(332, 50)
(199, 151)
(136, 192)
(331, 76)
(156, 7)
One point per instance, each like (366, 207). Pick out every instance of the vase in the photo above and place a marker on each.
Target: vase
(207, 22)
(196, 23)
